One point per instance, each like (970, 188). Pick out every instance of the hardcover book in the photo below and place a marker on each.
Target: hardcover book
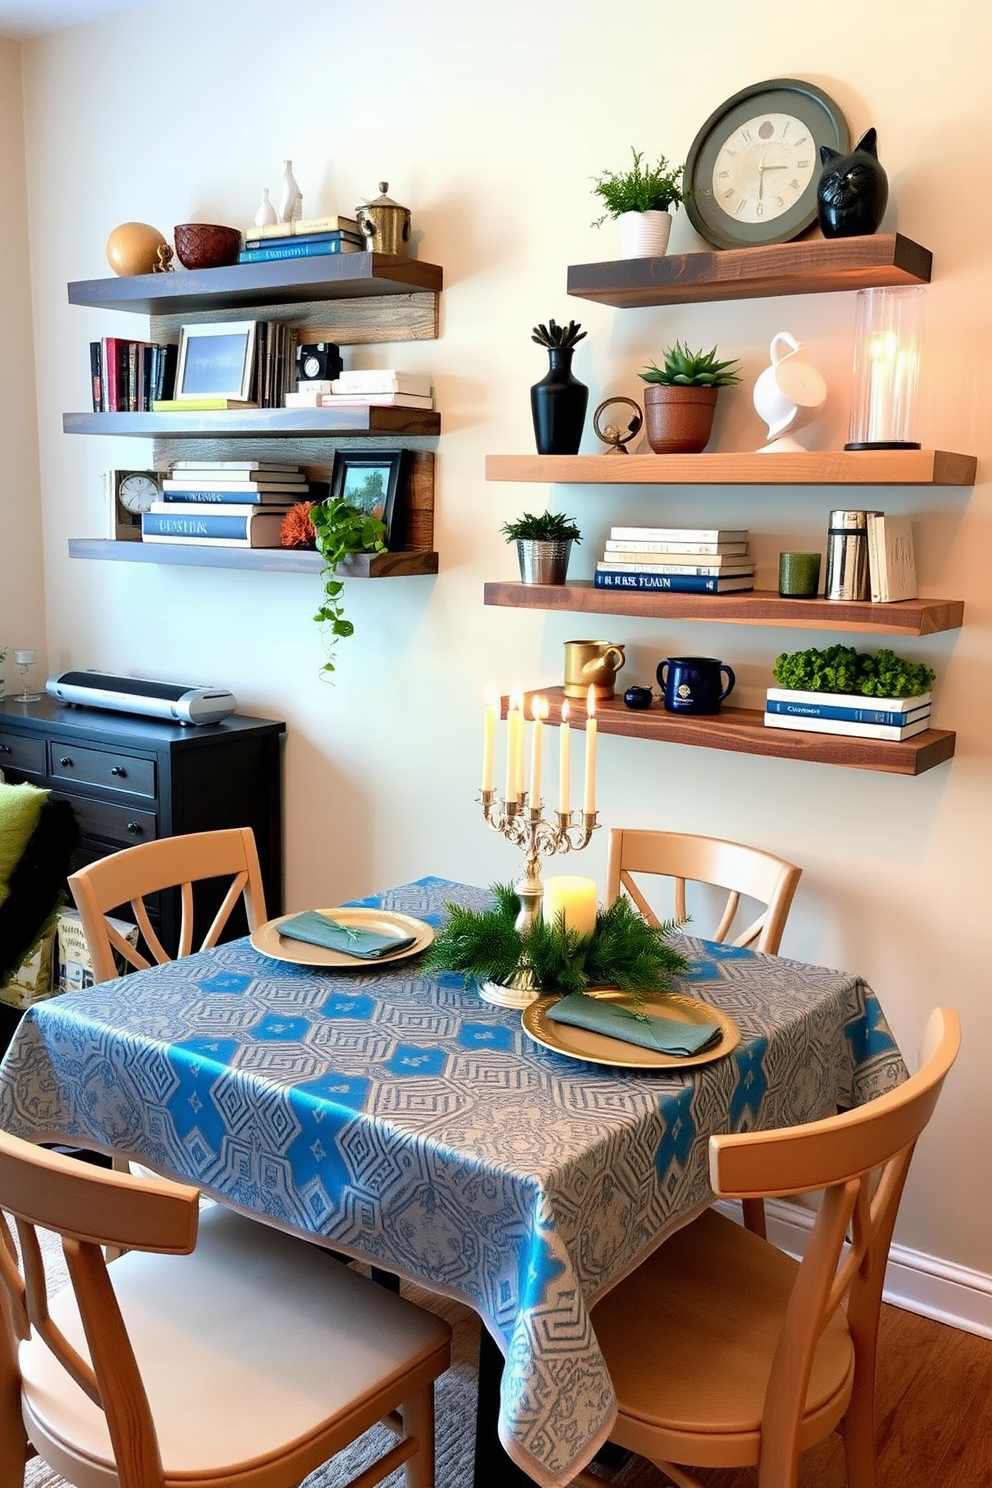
(229, 465)
(383, 380)
(675, 583)
(332, 235)
(259, 529)
(303, 226)
(847, 715)
(680, 534)
(679, 549)
(375, 400)
(849, 699)
(850, 730)
(233, 480)
(194, 509)
(891, 559)
(292, 249)
(233, 495)
(657, 562)
(731, 571)
(198, 405)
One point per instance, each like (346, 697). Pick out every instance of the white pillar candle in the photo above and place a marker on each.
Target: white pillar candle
(575, 898)
(538, 710)
(488, 739)
(564, 762)
(516, 743)
(509, 793)
(589, 794)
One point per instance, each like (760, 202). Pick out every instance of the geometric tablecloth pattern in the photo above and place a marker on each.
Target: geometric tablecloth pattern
(404, 1121)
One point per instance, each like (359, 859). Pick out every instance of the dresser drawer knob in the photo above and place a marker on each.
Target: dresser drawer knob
(136, 829)
(119, 770)
(65, 762)
(6, 749)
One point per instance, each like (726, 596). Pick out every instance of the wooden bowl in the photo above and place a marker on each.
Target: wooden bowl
(205, 245)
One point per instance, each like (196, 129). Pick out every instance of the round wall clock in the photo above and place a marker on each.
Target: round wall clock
(752, 170)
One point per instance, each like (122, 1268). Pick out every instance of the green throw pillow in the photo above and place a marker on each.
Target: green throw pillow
(20, 808)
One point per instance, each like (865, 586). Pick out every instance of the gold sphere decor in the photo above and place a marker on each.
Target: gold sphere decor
(133, 248)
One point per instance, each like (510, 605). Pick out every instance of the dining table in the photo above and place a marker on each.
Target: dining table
(386, 1111)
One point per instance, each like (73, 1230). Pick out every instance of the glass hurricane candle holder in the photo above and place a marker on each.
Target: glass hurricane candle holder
(886, 368)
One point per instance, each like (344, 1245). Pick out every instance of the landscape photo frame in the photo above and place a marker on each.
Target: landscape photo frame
(216, 360)
(370, 480)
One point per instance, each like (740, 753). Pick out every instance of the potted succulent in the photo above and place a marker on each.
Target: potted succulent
(638, 200)
(544, 543)
(558, 401)
(680, 399)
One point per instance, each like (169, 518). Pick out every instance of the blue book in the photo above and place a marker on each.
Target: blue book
(882, 716)
(278, 496)
(331, 235)
(295, 249)
(673, 583)
(257, 529)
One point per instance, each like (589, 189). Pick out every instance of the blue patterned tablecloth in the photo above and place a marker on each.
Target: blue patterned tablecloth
(405, 1121)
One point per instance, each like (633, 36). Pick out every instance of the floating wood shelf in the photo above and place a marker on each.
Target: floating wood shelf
(907, 617)
(742, 731)
(281, 281)
(811, 468)
(258, 423)
(808, 267)
(271, 560)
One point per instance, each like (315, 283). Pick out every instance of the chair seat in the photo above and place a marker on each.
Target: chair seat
(710, 1301)
(273, 1348)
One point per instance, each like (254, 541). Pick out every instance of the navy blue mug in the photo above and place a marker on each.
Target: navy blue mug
(694, 684)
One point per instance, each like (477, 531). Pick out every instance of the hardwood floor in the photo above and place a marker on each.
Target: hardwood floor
(934, 1417)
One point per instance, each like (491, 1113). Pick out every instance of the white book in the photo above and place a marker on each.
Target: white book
(850, 730)
(376, 400)
(383, 380)
(191, 482)
(849, 699)
(304, 397)
(680, 534)
(891, 558)
(687, 549)
(609, 566)
(668, 559)
(219, 465)
(227, 509)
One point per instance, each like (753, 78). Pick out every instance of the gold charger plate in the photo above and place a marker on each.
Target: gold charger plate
(383, 921)
(598, 1048)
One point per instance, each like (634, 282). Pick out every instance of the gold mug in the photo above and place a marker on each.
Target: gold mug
(591, 664)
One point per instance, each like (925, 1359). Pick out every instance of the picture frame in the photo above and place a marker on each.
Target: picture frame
(216, 360)
(370, 480)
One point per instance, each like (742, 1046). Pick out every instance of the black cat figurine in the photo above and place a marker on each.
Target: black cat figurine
(852, 191)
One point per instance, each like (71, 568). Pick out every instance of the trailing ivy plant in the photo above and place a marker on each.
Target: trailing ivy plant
(340, 530)
(622, 951)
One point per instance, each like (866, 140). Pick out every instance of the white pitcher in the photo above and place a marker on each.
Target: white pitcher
(788, 394)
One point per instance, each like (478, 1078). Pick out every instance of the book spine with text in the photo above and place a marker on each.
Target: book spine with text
(257, 529)
(676, 549)
(303, 227)
(292, 249)
(847, 715)
(96, 376)
(732, 571)
(849, 730)
(192, 497)
(849, 699)
(679, 534)
(674, 583)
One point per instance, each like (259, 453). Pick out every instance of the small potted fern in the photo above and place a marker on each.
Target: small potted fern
(558, 402)
(544, 543)
(680, 399)
(638, 200)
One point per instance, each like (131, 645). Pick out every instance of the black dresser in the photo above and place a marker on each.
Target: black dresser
(132, 779)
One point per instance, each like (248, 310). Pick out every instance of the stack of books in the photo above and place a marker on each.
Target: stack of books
(127, 376)
(684, 560)
(847, 713)
(310, 237)
(377, 387)
(225, 503)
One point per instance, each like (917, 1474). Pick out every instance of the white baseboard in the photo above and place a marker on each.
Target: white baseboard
(919, 1283)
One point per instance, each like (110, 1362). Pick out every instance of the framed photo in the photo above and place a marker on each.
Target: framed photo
(216, 360)
(370, 480)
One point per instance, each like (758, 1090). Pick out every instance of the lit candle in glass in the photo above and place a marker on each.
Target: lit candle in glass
(589, 794)
(564, 761)
(488, 738)
(538, 712)
(572, 898)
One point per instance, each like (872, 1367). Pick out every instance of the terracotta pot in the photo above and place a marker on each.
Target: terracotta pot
(678, 420)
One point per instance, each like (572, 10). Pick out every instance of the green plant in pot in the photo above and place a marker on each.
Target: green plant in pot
(680, 399)
(638, 200)
(340, 530)
(544, 543)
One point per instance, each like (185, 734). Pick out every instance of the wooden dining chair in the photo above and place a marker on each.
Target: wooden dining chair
(215, 1351)
(134, 873)
(724, 1351)
(707, 860)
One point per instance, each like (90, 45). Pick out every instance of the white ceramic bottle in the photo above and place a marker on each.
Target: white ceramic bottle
(291, 206)
(266, 213)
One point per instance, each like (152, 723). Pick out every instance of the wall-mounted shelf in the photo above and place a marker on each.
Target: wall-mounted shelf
(742, 731)
(200, 291)
(808, 267)
(271, 560)
(258, 423)
(908, 617)
(811, 468)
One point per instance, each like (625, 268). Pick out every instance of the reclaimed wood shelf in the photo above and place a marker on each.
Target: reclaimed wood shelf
(810, 267)
(258, 423)
(907, 617)
(810, 468)
(742, 731)
(278, 282)
(271, 560)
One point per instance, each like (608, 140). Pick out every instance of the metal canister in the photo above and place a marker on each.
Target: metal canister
(847, 556)
(385, 223)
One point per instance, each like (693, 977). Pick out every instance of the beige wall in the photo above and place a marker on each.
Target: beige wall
(21, 599)
(489, 123)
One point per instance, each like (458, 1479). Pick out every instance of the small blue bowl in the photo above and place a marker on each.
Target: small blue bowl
(638, 697)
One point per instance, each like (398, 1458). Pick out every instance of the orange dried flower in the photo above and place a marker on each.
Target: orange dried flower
(297, 529)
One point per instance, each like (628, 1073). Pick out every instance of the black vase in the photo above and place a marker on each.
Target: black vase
(558, 404)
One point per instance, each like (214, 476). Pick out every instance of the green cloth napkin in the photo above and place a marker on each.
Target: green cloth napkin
(666, 1035)
(320, 930)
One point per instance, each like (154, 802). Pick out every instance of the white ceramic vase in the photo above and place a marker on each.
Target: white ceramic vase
(788, 394)
(644, 234)
(266, 213)
(291, 205)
